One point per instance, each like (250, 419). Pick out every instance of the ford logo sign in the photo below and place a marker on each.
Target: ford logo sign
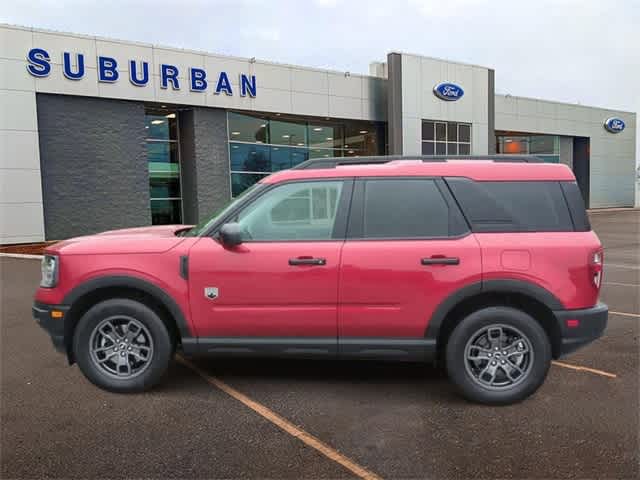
(614, 124)
(448, 91)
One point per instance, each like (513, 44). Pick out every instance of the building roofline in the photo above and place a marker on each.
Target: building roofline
(184, 50)
(439, 59)
(573, 104)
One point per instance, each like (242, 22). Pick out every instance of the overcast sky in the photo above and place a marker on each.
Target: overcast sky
(582, 51)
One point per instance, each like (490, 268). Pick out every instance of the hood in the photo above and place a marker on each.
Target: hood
(156, 239)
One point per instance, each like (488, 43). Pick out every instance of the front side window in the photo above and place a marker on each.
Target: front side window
(404, 208)
(294, 211)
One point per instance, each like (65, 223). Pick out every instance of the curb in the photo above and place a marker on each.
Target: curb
(613, 209)
(21, 255)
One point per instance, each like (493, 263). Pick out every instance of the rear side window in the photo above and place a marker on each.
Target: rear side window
(576, 206)
(512, 206)
(403, 208)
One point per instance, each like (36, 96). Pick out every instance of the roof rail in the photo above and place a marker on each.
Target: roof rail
(320, 163)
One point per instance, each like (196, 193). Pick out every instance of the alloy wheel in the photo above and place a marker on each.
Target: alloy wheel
(498, 357)
(121, 347)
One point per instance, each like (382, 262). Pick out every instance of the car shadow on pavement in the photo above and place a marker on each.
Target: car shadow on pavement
(368, 376)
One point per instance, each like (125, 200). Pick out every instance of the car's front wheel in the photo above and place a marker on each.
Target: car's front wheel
(122, 345)
(498, 356)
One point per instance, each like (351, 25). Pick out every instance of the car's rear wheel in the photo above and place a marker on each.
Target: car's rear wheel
(498, 356)
(122, 345)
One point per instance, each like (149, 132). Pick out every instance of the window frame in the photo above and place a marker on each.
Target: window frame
(343, 209)
(355, 228)
(435, 143)
(166, 141)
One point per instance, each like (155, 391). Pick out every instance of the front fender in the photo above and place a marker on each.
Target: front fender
(132, 282)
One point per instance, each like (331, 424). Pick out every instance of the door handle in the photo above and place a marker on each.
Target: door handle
(307, 261)
(440, 261)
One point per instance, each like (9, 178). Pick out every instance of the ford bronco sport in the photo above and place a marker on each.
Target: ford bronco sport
(487, 265)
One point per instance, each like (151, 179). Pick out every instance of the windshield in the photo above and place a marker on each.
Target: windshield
(204, 225)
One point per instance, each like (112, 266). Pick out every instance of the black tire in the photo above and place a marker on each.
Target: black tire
(467, 374)
(153, 367)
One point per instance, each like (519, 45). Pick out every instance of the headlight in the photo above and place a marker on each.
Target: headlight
(49, 269)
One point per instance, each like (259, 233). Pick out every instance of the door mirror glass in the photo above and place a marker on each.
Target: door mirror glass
(231, 234)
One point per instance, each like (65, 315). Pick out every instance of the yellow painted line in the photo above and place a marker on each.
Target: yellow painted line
(283, 423)
(584, 369)
(637, 285)
(625, 314)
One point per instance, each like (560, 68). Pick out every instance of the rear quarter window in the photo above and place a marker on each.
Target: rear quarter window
(512, 206)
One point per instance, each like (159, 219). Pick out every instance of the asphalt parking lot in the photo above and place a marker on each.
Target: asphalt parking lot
(392, 420)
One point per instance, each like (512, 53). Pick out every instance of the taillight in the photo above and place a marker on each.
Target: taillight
(596, 265)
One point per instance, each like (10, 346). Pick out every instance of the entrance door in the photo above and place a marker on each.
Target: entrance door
(581, 166)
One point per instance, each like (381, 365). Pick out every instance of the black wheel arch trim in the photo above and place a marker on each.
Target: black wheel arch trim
(126, 281)
(529, 289)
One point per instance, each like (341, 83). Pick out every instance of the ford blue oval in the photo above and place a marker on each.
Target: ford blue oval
(448, 91)
(614, 124)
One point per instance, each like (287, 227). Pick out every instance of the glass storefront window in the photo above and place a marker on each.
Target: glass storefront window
(241, 181)
(545, 144)
(428, 131)
(162, 186)
(245, 128)
(161, 128)
(464, 132)
(288, 133)
(326, 136)
(261, 144)
(445, 138)
(324, 152)
(250, 157)
(166, 212)
(546, 147)
(162, 152)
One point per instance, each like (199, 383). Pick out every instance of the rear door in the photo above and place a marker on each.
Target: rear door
(408, 248)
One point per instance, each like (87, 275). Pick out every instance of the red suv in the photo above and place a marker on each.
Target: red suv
(487, 265)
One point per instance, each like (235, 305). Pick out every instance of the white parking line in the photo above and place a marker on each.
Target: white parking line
(625, 314)
(620, 265)
(580, 368)
(283, 423)
(623, 284)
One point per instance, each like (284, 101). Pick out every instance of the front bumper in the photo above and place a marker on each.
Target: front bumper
(591, 323)
(54, 326)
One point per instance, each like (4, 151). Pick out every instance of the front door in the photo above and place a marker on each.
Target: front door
(279, 287)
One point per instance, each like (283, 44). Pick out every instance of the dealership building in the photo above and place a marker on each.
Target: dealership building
(98, 134)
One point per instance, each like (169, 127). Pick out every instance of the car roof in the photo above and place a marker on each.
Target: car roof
(481, 170)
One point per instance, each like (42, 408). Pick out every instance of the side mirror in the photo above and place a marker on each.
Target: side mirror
(231, 234)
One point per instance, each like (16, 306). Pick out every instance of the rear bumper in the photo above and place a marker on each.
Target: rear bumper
(53, 326)
(591, 323)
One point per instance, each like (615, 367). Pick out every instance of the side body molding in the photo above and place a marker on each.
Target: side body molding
(489, 286)
(124, 281)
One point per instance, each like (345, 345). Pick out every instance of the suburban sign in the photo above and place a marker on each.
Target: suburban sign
(614, 124)
(109, 71)
(448, 91)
